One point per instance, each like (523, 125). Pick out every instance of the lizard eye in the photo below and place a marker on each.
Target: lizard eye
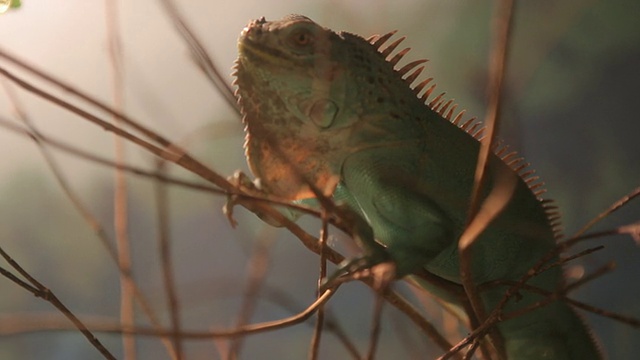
(301, 38)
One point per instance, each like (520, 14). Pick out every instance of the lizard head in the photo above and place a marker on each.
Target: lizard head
(292, 60)
(292, 93)
(310, 97)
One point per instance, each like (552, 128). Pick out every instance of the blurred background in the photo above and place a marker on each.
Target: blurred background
(571, 109)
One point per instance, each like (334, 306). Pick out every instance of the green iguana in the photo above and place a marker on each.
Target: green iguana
(335, 112)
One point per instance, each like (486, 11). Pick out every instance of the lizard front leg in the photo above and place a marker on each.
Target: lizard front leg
(404, 226)
(375, 261)
(251, 188)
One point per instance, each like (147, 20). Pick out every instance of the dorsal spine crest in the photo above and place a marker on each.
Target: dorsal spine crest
(447, 109)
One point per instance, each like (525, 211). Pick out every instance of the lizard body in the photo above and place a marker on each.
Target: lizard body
(333, 111)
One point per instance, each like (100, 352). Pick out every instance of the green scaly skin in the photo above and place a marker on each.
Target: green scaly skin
(328, 109)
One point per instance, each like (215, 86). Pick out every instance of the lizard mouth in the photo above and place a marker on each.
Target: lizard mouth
(253, 45)
(282, 46)
(255, 52)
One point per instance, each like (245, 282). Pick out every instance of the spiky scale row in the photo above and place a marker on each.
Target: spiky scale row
(441, 110)
(377, 40)
(427, 93)
(435, 100)
(447, 108)
(458, 117)
(394, 60)
(418, 88)
(405, 69)
(389, 49)
(411, 78)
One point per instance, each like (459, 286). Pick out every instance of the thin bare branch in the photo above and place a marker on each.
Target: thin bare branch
(9, 275)
(314, 350)
(75, 200)
(497, 316)
(503, 20)
(628, 320)
(257, 270)
(67, 88)
(34, 135)
(614, 207)
(472, 349)
(120, 197)
(376, 326)
(166, 263)
(554, 296)
(563, 260)
(478, 333)
(46, 294)
(90, 117)
(115, 328)
(415, 316)
(241, 331)
(200, 54)
(170, 151)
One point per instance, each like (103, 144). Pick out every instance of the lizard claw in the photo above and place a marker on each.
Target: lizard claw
(241, 182)
(227, 209)
(376, 263)
(246, 190)
(381, 272)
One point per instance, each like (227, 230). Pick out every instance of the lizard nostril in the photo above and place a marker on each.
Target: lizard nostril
(252, 31)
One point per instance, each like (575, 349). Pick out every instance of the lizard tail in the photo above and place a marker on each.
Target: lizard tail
(554, 332)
